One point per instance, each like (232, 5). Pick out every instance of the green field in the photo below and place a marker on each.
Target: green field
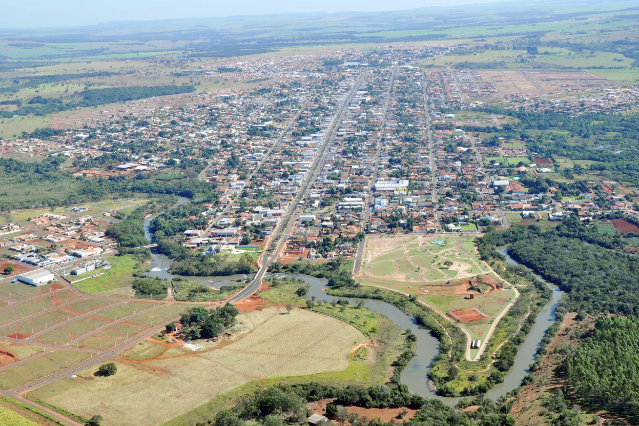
(119, 277)
(40, 367)
(9, 418)
(14, 313)
(510, 161)
(202, 375)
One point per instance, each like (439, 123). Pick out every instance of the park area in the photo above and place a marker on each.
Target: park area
(443, 272)
(168, 380)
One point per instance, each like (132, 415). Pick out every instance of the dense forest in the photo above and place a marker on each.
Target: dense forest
(604, 368)
(584, 263)
(94, 97)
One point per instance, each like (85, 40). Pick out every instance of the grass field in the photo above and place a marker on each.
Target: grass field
(550, 57)
(78, 328)
(438, 274)
(119, 277)
(14, 313)
(35, 416)
(51, 318)
(273, 348)
(40, 367)
(20, 291)
(418, 260)
(9, 418)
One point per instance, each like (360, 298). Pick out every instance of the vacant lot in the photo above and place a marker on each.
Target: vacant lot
(14, 313)
(622, 226)
(39, 367)
(274, 344)
(116, 280)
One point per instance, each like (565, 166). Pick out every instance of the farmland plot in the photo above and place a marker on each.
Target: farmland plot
(273, 344)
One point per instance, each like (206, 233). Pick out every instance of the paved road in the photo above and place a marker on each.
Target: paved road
(257, 168)
(246, 292)
(280, 235)
(359, 257)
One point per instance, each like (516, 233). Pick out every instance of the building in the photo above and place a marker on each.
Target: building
(394, 185)
(36, 278)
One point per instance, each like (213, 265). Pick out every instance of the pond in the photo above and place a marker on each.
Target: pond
(160, 264)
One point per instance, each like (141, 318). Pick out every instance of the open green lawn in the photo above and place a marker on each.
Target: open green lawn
(606, 228)
(381, 268)
(511, 161)
(9, 418)
(144, 350)
(119, 276)
(39, 367)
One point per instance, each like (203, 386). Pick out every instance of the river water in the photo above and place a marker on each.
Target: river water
(160, 264)
(427, 346)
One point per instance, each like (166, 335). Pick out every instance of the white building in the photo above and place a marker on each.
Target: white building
(37, 278)
(395, 185)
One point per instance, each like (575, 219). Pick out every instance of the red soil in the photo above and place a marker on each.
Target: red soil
(544, 161)
(19, 268)
(7, 358)
(385, 414)
(19, 336)
(466, 315)
(623, 226)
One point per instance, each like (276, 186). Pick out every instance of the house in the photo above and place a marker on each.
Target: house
(226, 232)
(37, 277)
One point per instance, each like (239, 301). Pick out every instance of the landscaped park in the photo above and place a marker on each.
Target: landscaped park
(443, 272)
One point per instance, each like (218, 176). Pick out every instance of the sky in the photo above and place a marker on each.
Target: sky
(70, 13)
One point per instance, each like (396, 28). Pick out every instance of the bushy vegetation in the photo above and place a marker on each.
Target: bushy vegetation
(581, 261)
(195, 292)
(604, 369)
(279, 405)
(333, 271)
(199, 265)
(199, 323)
(151, 288)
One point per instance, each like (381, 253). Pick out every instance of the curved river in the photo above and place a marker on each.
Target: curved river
(427, 346)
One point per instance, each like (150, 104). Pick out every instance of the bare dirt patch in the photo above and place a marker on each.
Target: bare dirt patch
(7, 358)
(623, 226)
(542, 161)
(467, 315)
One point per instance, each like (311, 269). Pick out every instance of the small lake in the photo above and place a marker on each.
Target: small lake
(160, 264)
(427, 346)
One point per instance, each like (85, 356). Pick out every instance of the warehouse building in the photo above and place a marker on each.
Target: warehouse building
(37, 278)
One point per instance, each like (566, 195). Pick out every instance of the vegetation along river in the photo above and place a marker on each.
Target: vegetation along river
(160, 264)
(427, 346)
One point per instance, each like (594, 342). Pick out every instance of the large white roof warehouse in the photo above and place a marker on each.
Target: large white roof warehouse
(37, 278)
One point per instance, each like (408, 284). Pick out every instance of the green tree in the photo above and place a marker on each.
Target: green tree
(106, 370)
(94, 421)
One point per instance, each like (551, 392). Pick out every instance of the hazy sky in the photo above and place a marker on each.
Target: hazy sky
(56, 13)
